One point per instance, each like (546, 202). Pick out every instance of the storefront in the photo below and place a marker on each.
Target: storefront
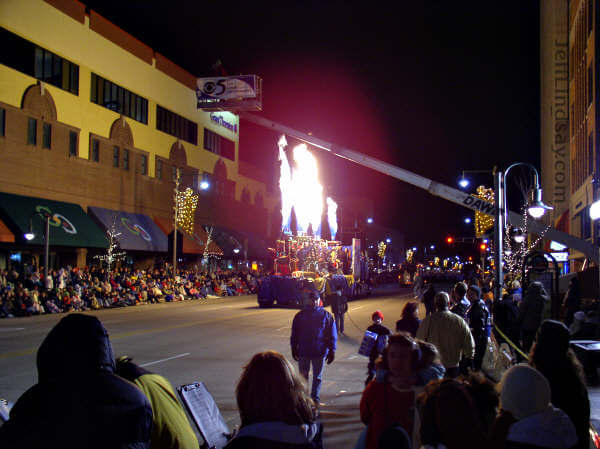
(144, 243)
(71, 232)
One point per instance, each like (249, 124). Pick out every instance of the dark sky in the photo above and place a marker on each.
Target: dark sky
(435, 88)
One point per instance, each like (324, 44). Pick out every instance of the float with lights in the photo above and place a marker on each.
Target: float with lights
(303, 257)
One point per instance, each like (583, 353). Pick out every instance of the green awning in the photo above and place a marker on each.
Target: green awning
(69, 224)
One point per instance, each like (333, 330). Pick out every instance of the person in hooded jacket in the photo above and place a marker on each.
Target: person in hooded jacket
(276, 411)
(79, 401)
(531, 312)
(552, 356)
(527, 419)
(171, 429)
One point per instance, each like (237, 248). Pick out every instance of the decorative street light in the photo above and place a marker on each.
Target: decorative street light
(369, 220)
(536, 210)
(464, 182)
(30, 235)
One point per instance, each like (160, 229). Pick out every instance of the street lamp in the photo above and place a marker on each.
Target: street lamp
(369, 220)
(464, 182)
(467, 220)
(30, 235)
(536, 210)
(388, 240)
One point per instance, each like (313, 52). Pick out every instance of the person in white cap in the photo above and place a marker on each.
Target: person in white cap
(525, 408)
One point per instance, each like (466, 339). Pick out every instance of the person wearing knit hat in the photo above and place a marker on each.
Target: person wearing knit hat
(552, 356)
(382, 335)
(525, 394)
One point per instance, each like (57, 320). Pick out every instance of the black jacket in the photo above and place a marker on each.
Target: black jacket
(78, 401)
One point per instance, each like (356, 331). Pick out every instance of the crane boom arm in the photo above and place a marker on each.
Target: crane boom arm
(437, 189)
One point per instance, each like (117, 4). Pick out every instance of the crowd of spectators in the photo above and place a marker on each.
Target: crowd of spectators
(90, 288)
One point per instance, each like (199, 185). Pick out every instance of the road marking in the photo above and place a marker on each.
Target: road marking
(8, 355)
(356, 308)
(164, 360)
(11, 329)
(282, 328)
(352, 357)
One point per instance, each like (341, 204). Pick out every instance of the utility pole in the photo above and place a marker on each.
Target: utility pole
(175, 216)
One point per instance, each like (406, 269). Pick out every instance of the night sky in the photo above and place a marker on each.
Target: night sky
(435, 88)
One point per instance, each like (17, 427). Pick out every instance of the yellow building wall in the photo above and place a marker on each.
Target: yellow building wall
(42, 24)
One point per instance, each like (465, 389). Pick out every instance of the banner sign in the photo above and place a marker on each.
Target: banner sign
(243, 92)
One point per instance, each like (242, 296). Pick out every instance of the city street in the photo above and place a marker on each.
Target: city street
(210, 341)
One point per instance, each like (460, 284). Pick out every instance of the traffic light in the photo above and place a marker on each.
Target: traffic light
(449, 240)
(483, 247)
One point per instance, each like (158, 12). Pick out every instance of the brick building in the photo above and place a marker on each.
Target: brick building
(92, 117)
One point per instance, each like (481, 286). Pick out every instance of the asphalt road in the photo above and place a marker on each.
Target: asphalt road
(210, 341)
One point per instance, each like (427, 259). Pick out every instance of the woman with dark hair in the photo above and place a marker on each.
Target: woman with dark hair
(551, 355)
(410, 320)
(449, 411)
(275, 408)
(391, 402)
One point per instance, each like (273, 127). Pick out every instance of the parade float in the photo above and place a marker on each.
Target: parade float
(307, 254)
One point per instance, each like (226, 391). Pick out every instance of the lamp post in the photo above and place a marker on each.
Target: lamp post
(175, 217)
(30, 236)
(536, 210)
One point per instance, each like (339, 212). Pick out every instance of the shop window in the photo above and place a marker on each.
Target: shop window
(2, 122)
(144, 164)
(47, 136)
(125, 159)
(95, 155)
(32, 131)
(115, 156)
(72, 143)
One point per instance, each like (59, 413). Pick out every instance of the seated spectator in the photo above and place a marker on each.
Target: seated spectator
(275, 408)
(171, 429)
(78, 401)
(527, 419)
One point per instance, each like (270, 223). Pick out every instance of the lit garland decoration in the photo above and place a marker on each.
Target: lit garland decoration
(484, 222)
(381, 250)
(112, 254)
(514, 253)
(409, 255)
(186, 208)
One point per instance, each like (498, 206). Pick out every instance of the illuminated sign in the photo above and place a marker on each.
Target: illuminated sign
(219, 120)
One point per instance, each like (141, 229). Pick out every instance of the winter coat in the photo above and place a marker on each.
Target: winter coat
(382, 406)
(550, 429)
(450, 334)
(278, 435)
(479, 319)
(78, 401)
(408, 324)
(314, 333)
(171, 428)
(461, 308)
(506, 313)
(532, 307)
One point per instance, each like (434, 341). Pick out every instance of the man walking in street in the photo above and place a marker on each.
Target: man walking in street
(313, 340)
(449, 333)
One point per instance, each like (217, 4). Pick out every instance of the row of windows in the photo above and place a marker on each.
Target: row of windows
(117, 161)
(218, 144)
(116, 98)
(176, 125)
(35, 61)
(47, 136)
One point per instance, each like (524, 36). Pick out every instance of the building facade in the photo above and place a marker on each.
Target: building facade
(583, 128)
(90, 115)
